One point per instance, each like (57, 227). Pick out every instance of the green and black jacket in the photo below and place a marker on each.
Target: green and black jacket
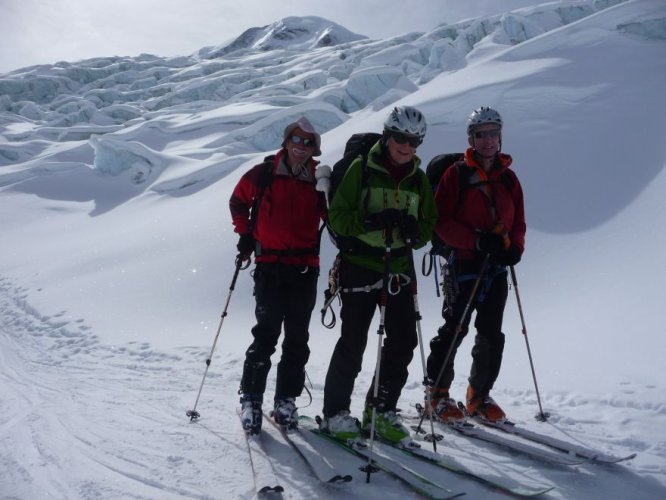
(371, 191)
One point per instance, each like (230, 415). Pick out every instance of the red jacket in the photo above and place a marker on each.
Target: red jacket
(287, 225)
(464, 213)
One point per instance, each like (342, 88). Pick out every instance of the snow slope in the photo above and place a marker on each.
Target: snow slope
(118, 251)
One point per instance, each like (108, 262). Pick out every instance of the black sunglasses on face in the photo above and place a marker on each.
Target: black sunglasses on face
(401, 138)
(482, 134)
(297, 139)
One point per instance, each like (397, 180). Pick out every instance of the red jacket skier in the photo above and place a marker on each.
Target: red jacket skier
(486, 217)
(276, 210)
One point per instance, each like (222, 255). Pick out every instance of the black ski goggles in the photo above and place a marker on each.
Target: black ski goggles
(297, 139)
(413, 140)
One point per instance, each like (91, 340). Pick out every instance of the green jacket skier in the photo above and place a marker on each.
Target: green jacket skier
(388, 200)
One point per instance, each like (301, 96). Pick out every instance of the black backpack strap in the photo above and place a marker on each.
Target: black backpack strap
(265, 180)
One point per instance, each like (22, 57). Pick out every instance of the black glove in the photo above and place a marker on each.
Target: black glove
(386, 219)
(246, 246)
(510, 257)
(490, 243)
(410, 229)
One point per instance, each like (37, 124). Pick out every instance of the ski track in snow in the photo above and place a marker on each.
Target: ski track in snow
(96, 411)
(99, 424)
(109, 422)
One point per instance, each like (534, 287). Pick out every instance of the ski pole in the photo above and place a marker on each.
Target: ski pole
(412, 270)
(542, 417)
(193, 413)
(459, 328)
(388, 238)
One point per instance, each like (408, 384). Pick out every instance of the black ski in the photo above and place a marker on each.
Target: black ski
(417, 482)
(470, 430)
(305, 445)
(266, 483)
(571, 449)
(414, 449)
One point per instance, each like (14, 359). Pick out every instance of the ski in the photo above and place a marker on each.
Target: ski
(400, 471)
(570, 449)
(470, 430)
(414, 449)
(266, 483)
(302, 443)
(512, 445)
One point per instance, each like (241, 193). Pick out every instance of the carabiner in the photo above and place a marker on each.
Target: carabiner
(391, 289)
(426, 271)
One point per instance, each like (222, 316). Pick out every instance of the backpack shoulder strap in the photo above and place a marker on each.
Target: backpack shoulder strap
(465, 175)
(267, 174)
(365, 175)
(508, 180)
(265, 180)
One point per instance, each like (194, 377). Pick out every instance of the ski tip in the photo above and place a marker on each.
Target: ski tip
(340, 479)
(602, 459)
(270, 491)
(532, 493)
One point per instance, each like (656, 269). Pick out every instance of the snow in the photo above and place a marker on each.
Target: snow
(118, 250)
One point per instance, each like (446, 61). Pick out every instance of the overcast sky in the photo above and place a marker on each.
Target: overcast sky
(48, 31)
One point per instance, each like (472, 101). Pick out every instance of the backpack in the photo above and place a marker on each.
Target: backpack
(357, 145)
(434, 172)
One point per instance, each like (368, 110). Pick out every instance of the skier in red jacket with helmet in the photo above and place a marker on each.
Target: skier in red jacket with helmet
(485, 218)
(276, 210)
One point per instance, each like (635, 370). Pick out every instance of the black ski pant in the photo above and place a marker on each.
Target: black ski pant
(489, 342)
(284, 295)
(358, 309)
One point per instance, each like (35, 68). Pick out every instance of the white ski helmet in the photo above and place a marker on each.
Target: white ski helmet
(406, 119)
(484, 114)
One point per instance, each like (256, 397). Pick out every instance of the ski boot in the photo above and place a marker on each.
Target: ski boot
(444, 408)
(284, 413)
(341, 426)
(251, 415)
(483, 406)
(388, 425)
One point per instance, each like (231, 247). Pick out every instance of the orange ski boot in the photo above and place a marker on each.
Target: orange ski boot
(483, 406)
(444, 408)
